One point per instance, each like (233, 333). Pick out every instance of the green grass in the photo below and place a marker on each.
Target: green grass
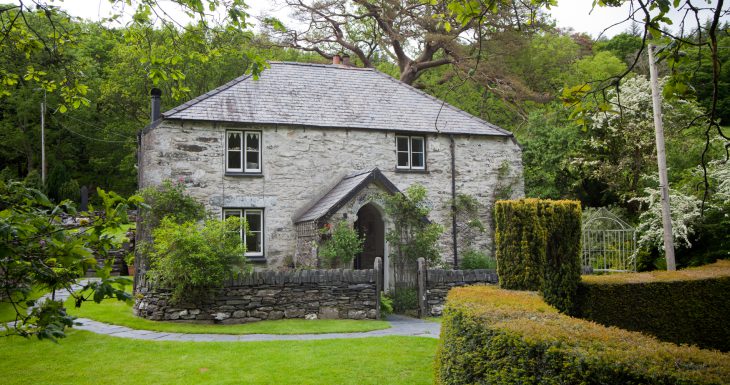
(120, 313)
(7, 311)
(86, 358)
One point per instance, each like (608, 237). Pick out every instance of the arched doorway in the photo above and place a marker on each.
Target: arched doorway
(370, 224)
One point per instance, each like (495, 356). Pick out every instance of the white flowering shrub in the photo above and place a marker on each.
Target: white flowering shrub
(685, 212)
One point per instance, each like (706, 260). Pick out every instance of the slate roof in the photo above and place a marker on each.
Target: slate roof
(324, 95)
(343, 192)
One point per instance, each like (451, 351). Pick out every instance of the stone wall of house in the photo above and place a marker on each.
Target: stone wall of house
(300, 164)
(271, 295)
(439, 282)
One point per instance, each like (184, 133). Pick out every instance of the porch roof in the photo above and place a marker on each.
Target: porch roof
(345, 190)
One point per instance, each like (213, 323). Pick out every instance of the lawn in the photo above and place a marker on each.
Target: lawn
(86, 358)
(120, 313)
(7, 311)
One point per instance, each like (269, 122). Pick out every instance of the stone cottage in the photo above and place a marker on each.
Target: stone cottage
(308, 145)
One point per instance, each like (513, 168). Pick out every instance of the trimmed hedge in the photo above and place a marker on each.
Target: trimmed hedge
(689, 306)
(538, 248)
(495, 336)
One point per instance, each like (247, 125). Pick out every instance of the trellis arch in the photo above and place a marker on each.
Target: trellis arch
(609, 243)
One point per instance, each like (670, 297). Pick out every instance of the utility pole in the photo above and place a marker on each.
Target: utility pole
(662, 162)
(43, 139)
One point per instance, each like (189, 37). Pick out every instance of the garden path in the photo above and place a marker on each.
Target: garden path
(400, 326)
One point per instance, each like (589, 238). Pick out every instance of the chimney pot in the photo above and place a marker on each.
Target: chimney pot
(155, 113)
(346, 59)
(336, 59)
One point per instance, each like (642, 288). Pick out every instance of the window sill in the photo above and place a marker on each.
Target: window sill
(244, 174)
(256, 259)
(411, 171)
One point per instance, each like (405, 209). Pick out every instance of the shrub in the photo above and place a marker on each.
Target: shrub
(495, 336)
(191, 258)
(563, 253)
(342, 247)
(412, 235)
(686, 306)
(538, 247)
(520, 243)
(405, 299)
(472, 260)
(386, 304)
(170, 200)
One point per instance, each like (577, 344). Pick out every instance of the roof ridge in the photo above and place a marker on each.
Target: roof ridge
(445, 104)
(324, 65)
(204, 96)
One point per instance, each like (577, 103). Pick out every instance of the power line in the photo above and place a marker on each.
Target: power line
(96, 127)
(88, 137)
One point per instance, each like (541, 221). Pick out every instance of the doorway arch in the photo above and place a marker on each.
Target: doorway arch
(370, 224)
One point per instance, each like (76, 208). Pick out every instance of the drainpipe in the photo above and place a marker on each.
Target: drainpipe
(453, 200)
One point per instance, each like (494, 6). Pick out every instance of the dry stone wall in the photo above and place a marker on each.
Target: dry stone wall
(439, 282)
(271, 295)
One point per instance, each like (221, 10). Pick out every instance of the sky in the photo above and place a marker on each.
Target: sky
(575, 14)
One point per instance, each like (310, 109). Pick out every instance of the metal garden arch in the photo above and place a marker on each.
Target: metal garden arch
(609, 243)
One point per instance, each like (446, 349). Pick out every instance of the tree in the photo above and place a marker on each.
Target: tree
(416, 35)
(621, 148)
(39, 251)
(694, 35)
(33, 28)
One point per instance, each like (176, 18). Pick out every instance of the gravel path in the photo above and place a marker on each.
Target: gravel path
(400, 326)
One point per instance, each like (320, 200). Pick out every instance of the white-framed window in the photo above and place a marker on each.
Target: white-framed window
(410, 152)
(243, 151)
(254, 237)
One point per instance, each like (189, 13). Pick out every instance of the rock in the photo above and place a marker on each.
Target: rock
(310, 316)
(221, 316)
(274, 315)
(329, 313)
(239, 314)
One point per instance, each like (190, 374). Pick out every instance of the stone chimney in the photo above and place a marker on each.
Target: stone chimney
(346, 59)
(336, 59)
(155, 113)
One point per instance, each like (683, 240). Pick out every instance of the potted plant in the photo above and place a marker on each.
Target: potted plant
(129, 260)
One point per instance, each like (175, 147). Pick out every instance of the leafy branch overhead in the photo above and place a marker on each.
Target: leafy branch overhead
(39, 251)
(33, 31)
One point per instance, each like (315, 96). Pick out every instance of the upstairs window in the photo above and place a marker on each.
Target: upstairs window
(411, 152)
(243, 151)
(254, 238)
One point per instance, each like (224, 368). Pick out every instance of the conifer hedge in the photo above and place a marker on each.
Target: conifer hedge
(538, 248)
(688, 306)
(495, 336)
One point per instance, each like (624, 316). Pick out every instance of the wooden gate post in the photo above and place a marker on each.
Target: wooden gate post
(422, 304)
(378, 284)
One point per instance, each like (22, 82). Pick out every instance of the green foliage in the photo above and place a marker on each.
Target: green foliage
(38, 251)
(520, 240)
(493, 336)
(342, 246)
(539, 247)
(472, 260)
(673, 306)
(386, 304)
(412, 235)
(563, 253)
(170, 200)
(190, 258)
(405, 299)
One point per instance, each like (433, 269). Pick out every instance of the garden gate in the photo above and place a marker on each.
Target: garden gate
(609, 243)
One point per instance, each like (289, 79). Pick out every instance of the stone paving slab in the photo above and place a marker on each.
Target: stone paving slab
(400, 326)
